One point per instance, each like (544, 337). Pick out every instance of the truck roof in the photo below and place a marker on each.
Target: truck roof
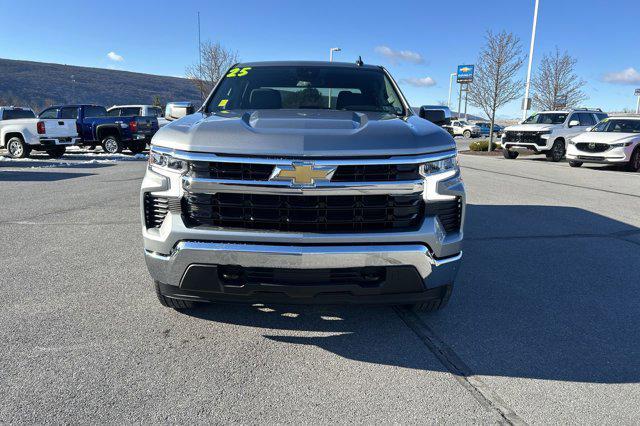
(306, 64)
(71, 105)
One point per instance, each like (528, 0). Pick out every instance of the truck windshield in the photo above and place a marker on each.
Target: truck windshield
(617, 126)
(15, 114)
(546, 118)
(306, 87)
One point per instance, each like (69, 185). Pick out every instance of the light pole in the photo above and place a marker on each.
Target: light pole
(525, 103)
(333, 49)
(453, 74)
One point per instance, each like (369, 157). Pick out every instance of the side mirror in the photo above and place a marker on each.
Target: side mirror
(574, 123)
(177, 110)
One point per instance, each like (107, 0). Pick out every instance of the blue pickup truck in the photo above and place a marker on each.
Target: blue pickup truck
(96, 127)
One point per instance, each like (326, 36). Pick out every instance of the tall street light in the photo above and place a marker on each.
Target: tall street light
(525, 102)
(333, 49)
(453, 74)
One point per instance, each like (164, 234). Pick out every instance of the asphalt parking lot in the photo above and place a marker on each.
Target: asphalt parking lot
(543, 326)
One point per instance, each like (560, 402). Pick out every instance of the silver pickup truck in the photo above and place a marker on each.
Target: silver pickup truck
(303, 182)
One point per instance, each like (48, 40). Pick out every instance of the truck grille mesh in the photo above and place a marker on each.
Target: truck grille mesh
(333, 213)
(524, 137)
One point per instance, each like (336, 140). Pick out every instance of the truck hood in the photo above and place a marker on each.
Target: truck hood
(530, 127)
(606, 137)
(304, 133)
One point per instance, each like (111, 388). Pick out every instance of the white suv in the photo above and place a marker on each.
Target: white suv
(614, 140)
(463, 128)
(549, 132)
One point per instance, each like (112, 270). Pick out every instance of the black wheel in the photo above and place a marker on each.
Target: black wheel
(509, 155)
(56, 152)
(634, 164)
(557, 151)
(137, 147)
(575, 163)
(435, 304)
(16, 148)
(112, 144)
(170, 302)
(466, 134)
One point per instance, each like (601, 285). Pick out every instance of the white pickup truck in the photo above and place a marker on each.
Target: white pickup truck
(141, 110)
(21, 132)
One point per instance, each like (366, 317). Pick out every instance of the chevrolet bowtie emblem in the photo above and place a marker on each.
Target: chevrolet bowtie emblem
(302, 174)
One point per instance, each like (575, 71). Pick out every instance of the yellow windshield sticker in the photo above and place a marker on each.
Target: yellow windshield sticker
(244, 71)
(223, 103)
(238, 72)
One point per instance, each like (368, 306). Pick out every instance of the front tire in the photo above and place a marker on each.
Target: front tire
(634, 164)
(56, 152)
(170, 302)
(575, 163)
(509, 155)
(16, 148)
(466, 134)
(111, 144)
(557, 152)
(435, 304)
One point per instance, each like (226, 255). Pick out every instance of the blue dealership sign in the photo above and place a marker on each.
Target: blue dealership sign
(465, 73)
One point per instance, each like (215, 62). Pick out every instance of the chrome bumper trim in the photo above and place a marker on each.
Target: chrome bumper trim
(408, 159)
(170, 269)
(212, 186)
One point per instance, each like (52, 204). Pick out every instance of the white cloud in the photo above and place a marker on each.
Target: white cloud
(628, 76)
(419, 81)
(399, 55)
(115, 57)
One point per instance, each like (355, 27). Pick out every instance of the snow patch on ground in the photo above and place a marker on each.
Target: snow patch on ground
(91, 158)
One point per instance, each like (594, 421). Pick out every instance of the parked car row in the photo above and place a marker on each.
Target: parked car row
(441, 115)
(581, 135)
(57, 127)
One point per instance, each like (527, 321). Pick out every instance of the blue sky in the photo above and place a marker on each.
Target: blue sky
(160, 37)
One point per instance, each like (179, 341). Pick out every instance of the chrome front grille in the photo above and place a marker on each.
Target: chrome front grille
(344, 173)
(346, 195)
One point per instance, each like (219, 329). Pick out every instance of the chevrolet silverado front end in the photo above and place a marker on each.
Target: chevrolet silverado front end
(303, 182)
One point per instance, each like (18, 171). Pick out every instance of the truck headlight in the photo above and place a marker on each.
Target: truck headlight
(439, 166)
(166, 162)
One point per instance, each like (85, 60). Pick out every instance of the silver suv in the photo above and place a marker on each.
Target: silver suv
(306, 182)
(549, 132)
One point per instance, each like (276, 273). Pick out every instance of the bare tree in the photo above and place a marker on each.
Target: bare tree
(495, 83)
(216, 60)
(555, 80)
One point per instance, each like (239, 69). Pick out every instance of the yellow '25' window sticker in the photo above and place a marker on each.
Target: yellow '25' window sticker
(223, 103)
(238, 72)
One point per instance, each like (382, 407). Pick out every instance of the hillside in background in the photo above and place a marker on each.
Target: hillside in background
(38, 84)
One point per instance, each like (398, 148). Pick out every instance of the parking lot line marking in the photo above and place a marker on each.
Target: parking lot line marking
(463, 374)
(552, 182)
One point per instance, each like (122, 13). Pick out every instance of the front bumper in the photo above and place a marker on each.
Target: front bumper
(186, 260)
(192, 272)
(611, 156)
